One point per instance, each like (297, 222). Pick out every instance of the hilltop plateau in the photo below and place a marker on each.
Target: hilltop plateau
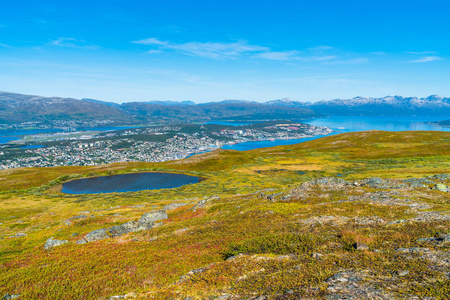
(362, 215)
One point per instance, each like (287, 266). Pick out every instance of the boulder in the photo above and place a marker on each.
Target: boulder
(51, 242)
(173, 206)
(8, 297)
(96, 235)
(147, 221)
(152, 217)
(440, 177)
(68, 221)
(360, 246)
(326, 182)
(441, 187)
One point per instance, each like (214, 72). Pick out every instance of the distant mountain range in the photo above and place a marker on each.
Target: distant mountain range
(365, 106)
(18, 108)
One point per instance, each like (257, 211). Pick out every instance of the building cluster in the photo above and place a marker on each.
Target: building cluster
(123, 146)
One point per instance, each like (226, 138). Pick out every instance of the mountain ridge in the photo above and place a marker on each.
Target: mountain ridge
(19, 108)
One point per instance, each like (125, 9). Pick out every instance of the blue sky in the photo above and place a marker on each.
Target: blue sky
(204, 51)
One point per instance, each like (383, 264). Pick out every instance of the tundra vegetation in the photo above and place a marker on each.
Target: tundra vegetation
(353, 216)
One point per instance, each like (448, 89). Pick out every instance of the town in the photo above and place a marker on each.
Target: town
(148, 144)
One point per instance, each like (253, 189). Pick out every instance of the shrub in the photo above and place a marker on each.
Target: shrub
(284, 243)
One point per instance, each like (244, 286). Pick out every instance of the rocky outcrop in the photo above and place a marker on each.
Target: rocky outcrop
(69, 221)
(331, 183)
(147, 221)
(8, 297)
(51, 242)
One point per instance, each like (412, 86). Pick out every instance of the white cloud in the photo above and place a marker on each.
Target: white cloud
(319, 58)
(273, 55)
(208, 49)
(153, 51)
(233, 50)
(426, 59)
(353, 61)
(422, 53)
(72, 43)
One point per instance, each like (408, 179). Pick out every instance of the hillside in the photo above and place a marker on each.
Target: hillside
(17, 108)
(353, 216)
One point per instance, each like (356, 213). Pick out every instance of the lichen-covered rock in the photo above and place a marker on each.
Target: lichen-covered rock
(152, 217)
(326, 182)
(96, 235)
(174, 206)
(360, 246)
(8, 297)
(147, 221)
(51, 242)
(441, 187)
(68, 221)
(418, 182)
(440, 177)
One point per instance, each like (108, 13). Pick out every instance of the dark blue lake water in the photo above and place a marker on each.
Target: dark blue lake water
(351, 124)
(127, 183)
(32, 147)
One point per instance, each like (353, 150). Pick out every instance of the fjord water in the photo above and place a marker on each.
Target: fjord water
(127, 183)
(16, 134)
(351, 124)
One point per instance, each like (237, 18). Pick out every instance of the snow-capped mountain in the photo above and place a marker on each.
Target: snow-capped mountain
(389, 105)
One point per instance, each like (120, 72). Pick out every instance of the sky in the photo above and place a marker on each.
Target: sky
(198, 50)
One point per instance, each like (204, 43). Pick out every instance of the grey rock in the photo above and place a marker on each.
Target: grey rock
(317, 255)
(20, 234)
(68, 221)
(8, 297)
(200, 204)
(145, 222)
(427, 240)
(402, 272)
(231, 258)
(192, 272)
(128, 227)
(413, 250)
(50, 243)
(96, 235)
(326, 182)
(360, 246)
(174, 206)
(337, 277)
(418, 182)
(440, 177)
(441, 187)
(445, 238)
(153, 216)
(372, 182)
(397, 222)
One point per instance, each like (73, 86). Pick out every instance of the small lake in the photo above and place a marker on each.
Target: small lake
(128, 183)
